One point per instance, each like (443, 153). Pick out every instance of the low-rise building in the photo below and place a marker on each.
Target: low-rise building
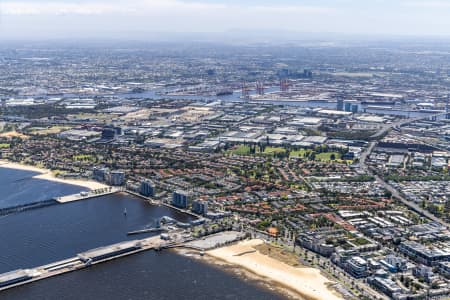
(357, 267)
(422, 254)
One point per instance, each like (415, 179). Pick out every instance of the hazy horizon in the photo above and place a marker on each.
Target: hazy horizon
(119, 19)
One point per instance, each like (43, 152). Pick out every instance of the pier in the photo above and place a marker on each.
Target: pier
(82, 260)
(88, 195)
(149, 230)
(25, 207)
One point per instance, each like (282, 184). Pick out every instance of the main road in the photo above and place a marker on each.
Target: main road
(395, 193)
(412, 205)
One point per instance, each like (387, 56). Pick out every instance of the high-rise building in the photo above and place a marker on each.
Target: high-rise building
(200, 207)
(340, 104)
(180, 199)
(147, 188)
(116, 178)
(357, 267)
(351, 106)
(108, 133)
(100, 174)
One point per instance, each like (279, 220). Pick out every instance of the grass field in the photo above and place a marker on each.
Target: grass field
(13, 134)
(274, 150)
(99, 116)
(240, 150)
(47, 131)
(326, 156)
(300, 153)
(4, 146)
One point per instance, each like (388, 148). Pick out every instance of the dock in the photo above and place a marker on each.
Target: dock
(100, 255)
(87, 195)
(82, 260)
(28, 206)
(149, 230)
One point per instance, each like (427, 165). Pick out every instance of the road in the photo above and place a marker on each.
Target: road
(347, 283)
(387, 127)
(410, 204)
(395, 193)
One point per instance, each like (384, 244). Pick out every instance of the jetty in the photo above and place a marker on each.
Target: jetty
(148, 230)
(87, 195)
(25, 207)
(82, 260)
(176, 238)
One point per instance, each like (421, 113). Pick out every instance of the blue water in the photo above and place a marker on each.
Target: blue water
(147, 276)
(37, 237)
(18, 187)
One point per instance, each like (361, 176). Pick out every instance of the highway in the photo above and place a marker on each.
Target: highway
(384, 130)
(387, 127)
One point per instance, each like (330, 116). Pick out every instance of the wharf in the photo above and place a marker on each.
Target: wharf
(83, 260)
(103, 254)
(87, 195)
(149, 230)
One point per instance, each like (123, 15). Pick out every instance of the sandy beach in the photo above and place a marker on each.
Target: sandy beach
(48, 175)
(307, 282)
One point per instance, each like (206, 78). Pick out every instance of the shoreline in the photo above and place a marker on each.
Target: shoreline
(45, 174)
(306, 282)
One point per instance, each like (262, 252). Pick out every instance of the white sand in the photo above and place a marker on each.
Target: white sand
(47, 175)
(306, 281)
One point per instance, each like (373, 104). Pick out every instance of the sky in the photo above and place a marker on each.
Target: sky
(47, 19)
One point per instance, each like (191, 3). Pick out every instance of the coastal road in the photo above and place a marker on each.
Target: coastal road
(345, 280)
